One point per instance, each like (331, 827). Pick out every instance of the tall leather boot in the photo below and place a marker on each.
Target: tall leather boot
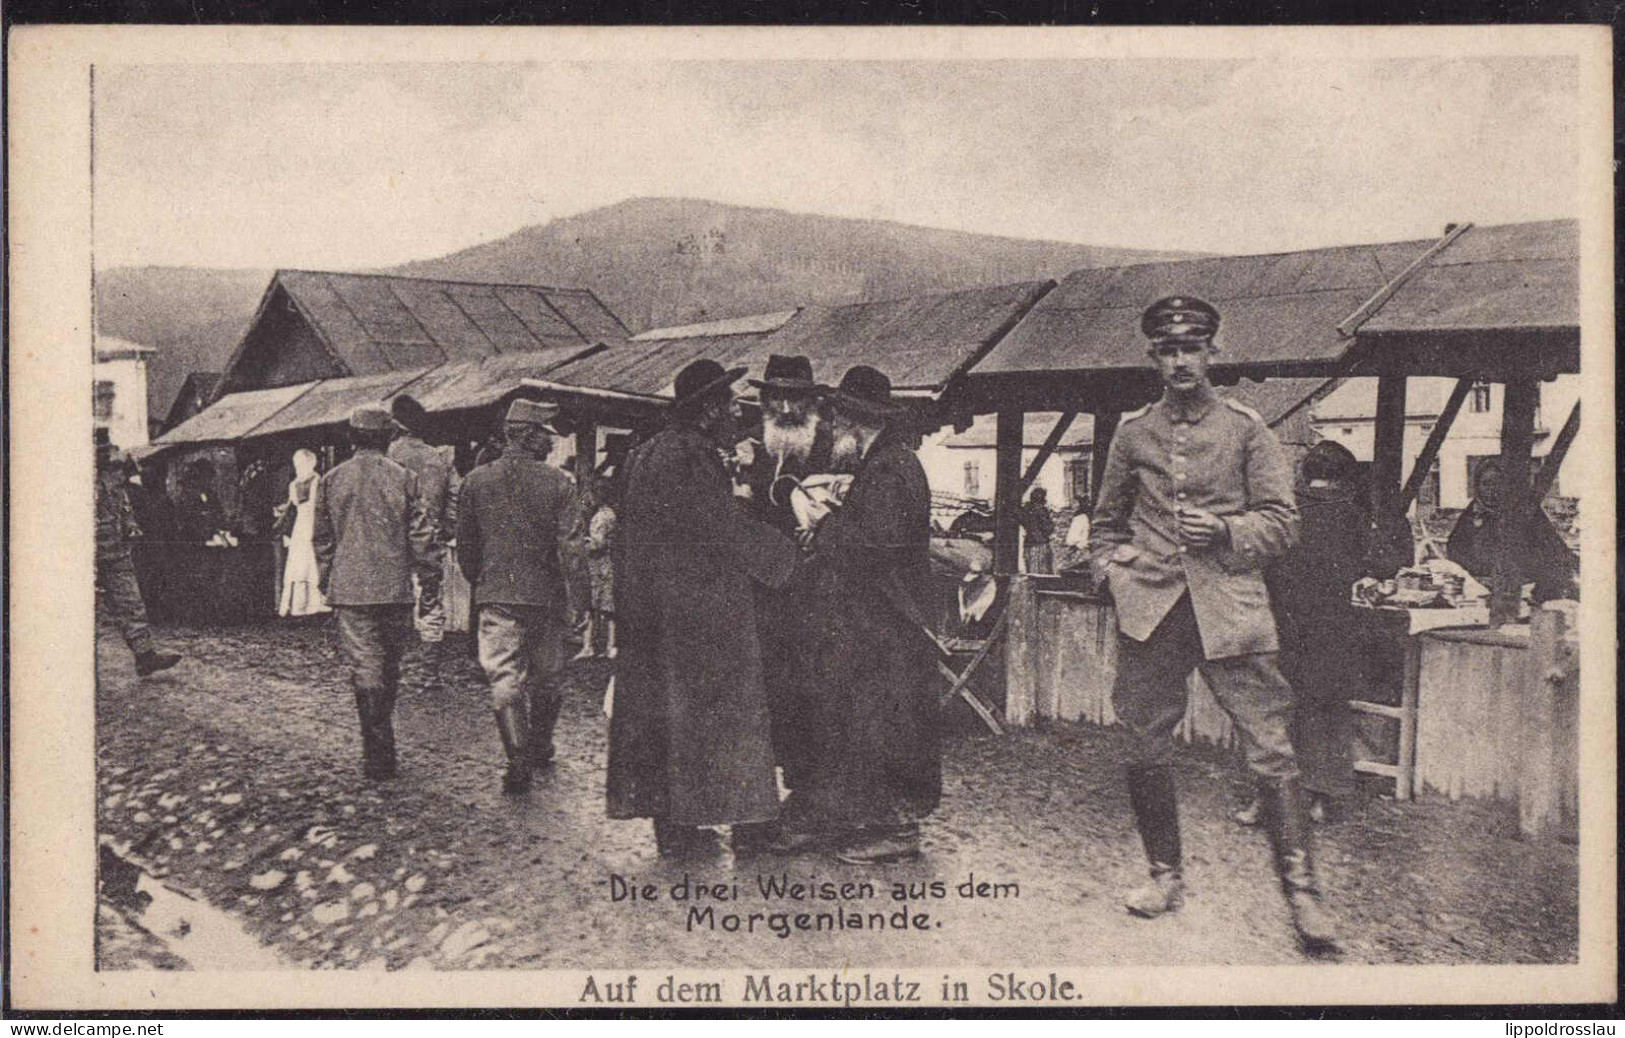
(383, 726)
(1156, 814)
(516, 745)
(1288, 823)
(545, 703)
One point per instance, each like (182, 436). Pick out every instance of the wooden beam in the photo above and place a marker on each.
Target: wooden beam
(1430, 449)
(1517, 437)
(1351, 324)
(1007, 493)
(1554, 457)
(1050, 443)
(1105, 429)
(1388, 452)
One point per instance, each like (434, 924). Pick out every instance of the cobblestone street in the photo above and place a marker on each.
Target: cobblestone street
(235, 778)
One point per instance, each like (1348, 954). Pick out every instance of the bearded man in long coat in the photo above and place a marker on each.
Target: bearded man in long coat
(690, 739)
(796, 442)
(879, 758)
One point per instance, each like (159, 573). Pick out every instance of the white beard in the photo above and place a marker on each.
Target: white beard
(846, 452)
(789, 443)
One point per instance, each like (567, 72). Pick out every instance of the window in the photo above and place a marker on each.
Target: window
(1076, 480)
(973, 478)
(1481, 397)
(102, 401)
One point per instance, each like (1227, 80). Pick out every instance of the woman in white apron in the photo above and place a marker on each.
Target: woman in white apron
(301, 593)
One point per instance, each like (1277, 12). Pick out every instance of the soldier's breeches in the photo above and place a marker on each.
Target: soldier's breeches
(372, 640)
(430, 617)
(1150, 694)
(520, 646)
(119, 596)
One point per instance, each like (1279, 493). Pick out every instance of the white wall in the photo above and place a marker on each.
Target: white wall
(127, 425)
(1346, 416)
(945, 469)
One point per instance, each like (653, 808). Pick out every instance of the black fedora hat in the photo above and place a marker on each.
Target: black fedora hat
(409, 414)
(700, 381)
(866, 391)
(787, 375)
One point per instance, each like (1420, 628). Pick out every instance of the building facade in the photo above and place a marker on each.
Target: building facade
(119, 391)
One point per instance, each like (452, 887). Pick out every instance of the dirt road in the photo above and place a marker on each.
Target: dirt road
(235, 777)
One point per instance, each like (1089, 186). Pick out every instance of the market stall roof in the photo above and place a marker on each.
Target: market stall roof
(232, 417)
(312, 405)
(920, 342)
(1311, 313)
(1510, 277)
(330, 402)
(326, 324)
(646, 365)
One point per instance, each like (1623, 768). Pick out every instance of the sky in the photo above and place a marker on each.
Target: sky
(339, 166)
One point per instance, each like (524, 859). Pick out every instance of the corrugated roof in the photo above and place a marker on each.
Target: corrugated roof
(377, 323)
(1277, 308)
(920, 342)
(233, 415)
(1516, 276)
(755, 324)
(1275, 398)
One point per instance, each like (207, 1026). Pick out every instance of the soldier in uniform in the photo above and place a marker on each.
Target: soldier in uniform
(373, 535)
(437, 482)
(513, 517)
(1195, 499)
(117, 590)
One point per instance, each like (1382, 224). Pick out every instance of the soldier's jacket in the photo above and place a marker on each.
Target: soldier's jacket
(1220, 456)
(513, 517)
(437, 480)
(115, 519)
(372, 533)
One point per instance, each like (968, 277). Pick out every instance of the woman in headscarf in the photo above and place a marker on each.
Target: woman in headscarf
(301, 595)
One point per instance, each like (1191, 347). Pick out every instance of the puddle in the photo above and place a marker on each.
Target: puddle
(189, 927)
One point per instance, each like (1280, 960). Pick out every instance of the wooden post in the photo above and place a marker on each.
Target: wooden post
(1554, 458)
(1007, 493)
(1388, 452)
(1105, 429)
(1545, 756)
(1430, 449)
(586, 452)
(1050, 443)
(1405, 777)
(1020, 655)
(1517, 437)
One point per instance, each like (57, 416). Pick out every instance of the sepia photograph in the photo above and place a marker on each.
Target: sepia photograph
(639, 519)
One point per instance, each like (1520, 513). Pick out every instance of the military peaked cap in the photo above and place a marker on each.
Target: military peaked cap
(1179, 316)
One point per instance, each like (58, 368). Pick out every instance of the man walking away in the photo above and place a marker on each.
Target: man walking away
(689, 739)
(373, 536)
(513, 516)
(118, 592)
(1195, 500)
(437, 482)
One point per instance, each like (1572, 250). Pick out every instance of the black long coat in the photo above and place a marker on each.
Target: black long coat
(875, 671)
(689, 736)
(1327, 643)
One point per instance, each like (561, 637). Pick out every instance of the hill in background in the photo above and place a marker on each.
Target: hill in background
(653, 261)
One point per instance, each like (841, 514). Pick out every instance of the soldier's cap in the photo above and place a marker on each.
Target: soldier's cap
(409, 414)
(1179, 317)
(701, 381)
(532, 412)
(371, 418)
(787, 375)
